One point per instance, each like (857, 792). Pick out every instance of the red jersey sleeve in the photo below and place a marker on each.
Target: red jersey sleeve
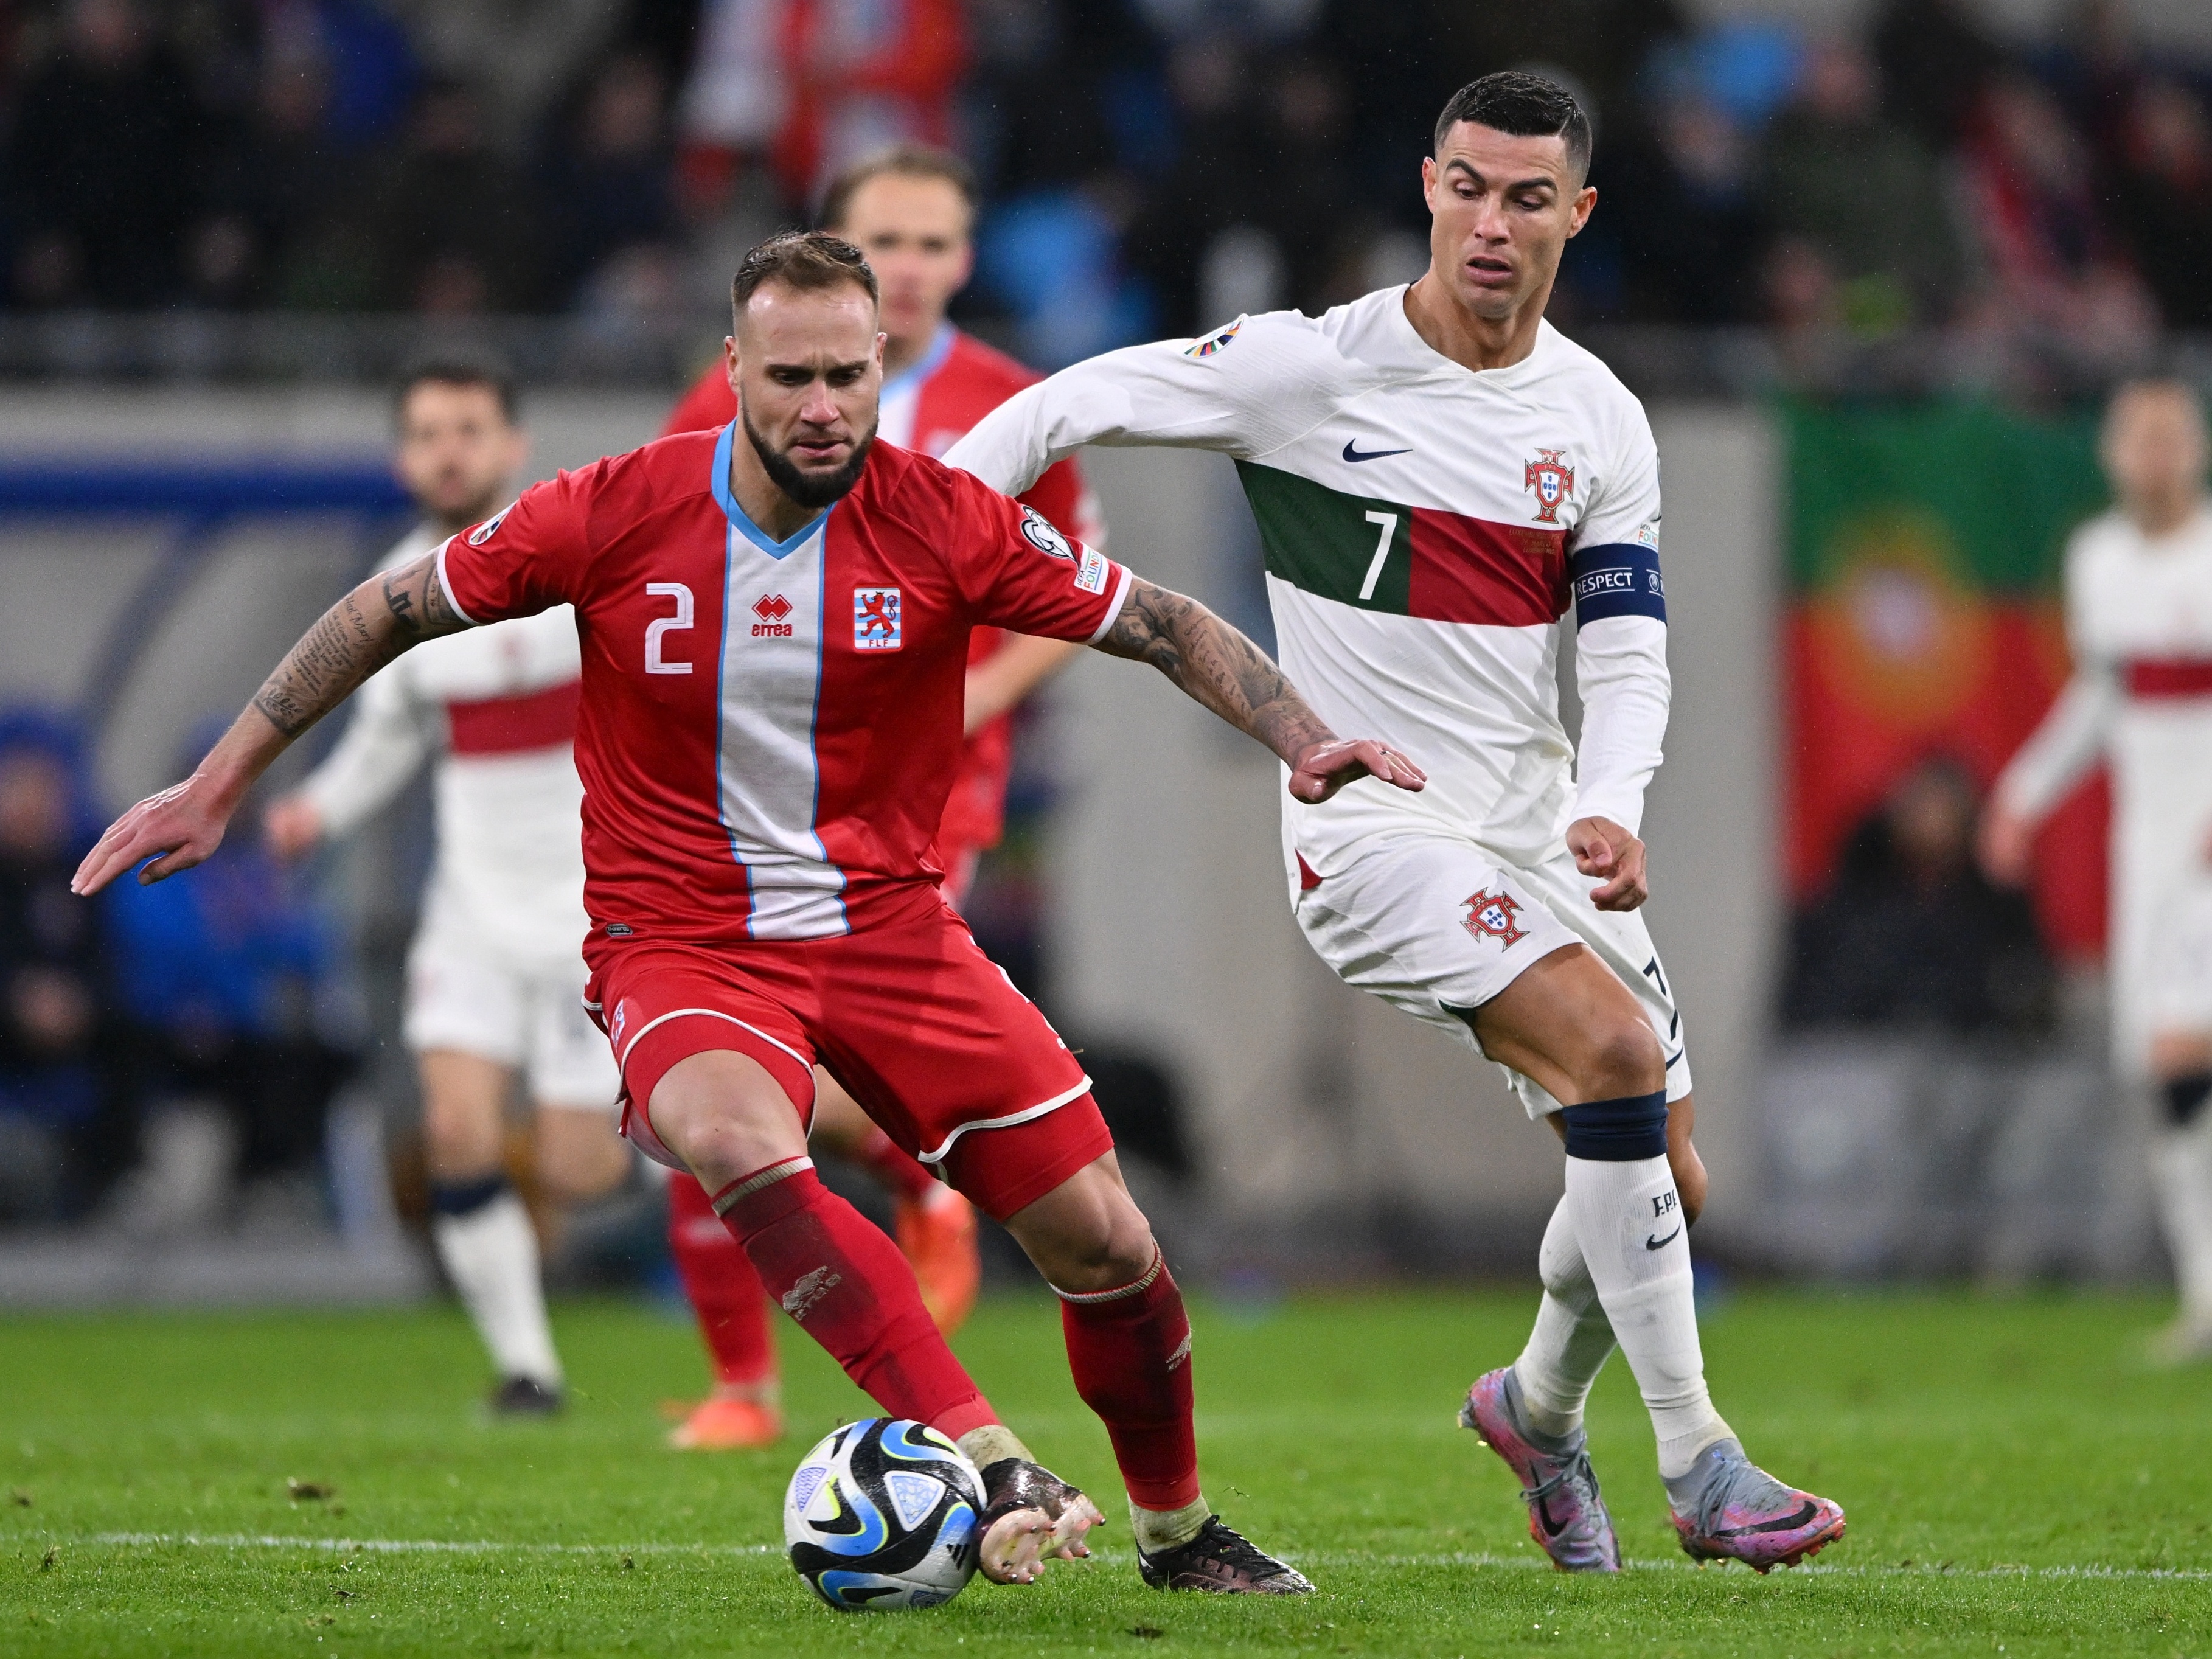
(1020, 573)
(709, 406)
(521, 561)
(1064, 496)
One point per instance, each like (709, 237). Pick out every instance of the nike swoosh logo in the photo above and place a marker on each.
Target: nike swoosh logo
(1651, 1243)
(1787, 1523)
(1352, 454)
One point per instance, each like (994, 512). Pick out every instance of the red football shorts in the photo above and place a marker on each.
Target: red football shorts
(923, 1030)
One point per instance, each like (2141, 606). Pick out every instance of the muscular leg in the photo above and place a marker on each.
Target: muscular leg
(935, 1225)
(1570, 1025)
(482, 1234)
(1573, 1338)
(1128, 1341)
(579, 1155)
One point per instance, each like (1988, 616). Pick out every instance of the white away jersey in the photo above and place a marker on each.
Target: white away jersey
(1426, 528)
(497, 707)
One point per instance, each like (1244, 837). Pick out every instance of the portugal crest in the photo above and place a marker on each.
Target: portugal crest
(1494, 916)
(1552, 480)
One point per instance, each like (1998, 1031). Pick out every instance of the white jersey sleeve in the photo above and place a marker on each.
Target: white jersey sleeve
(2072, 738)
(1244, 391)
(1620, 639)
(390, 735)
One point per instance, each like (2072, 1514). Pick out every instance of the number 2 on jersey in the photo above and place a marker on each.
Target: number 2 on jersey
(657, 630)
(1389, 523)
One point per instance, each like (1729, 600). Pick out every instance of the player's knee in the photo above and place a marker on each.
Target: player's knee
(1624, 1059)
(1092, 1240)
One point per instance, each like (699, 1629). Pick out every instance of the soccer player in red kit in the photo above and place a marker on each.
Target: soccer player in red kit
(774, 622)
(910, 209)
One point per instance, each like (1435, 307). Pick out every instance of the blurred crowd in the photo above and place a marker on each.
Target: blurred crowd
(203, 1013)
(1151, 165)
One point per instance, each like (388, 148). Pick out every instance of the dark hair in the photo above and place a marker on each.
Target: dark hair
(908, 160)
(456, 369)
(1526, 107)
(804, 259)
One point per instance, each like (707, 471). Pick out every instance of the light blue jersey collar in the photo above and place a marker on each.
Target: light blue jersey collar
(725, 446)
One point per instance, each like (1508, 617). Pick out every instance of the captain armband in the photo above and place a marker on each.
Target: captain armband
(1619, 579)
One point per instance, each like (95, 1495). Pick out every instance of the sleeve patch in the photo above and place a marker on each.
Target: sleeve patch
(1619, 579)
(1091, 576)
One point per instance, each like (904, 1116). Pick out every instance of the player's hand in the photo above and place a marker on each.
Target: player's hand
(1602, 848)
(2005, 845)
(185, 823)
(1325, 767)
(292, 827)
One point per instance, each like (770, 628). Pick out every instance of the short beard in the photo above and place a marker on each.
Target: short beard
(809, 489)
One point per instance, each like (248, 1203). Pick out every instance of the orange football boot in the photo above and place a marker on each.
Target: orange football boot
(937, 1234)
(718, 1425)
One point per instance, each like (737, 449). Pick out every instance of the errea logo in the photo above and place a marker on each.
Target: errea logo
(771, 609)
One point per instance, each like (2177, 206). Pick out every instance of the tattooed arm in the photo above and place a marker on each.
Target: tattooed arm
(366, 629)
(1220, 667)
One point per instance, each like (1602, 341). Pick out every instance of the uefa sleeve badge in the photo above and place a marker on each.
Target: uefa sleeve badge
(875, 619)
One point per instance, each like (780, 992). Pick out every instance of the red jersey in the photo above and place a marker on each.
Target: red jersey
(929, 405)
(768, 729)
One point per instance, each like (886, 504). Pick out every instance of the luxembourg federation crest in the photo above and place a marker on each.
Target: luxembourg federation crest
(1494, 916)
(1552, 480)
(875, 619)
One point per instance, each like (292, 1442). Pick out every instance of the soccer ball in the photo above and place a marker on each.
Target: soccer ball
(882, 1513)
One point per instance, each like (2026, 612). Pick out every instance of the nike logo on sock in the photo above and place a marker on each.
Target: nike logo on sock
(1651, 1243)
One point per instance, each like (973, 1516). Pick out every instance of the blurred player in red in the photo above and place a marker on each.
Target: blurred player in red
(910, 209)
(775, 624)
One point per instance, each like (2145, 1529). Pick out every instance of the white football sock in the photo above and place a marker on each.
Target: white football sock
(1635, 1244)
(491, 1254)
(1156, 1530)
(2181, 1163)
(1572, 1338)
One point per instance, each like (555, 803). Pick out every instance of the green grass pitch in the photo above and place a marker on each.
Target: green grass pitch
(2014, 1487)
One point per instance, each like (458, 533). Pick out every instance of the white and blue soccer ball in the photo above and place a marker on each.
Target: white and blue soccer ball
(881, 1514)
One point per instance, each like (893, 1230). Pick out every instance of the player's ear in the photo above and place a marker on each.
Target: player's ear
(730, 359)
(1585, 203)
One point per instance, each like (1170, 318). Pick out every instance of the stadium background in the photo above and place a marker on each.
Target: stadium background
(1870, 267)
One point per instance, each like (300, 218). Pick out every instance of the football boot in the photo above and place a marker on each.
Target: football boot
(524, 1396)
(1729, 1508)
(936, 1234)
(1031, 1517)
(1222, 1561)
(727, 1426)
(1567, 1517)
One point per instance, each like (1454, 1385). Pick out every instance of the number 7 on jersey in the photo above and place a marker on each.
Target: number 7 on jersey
(1389, 523)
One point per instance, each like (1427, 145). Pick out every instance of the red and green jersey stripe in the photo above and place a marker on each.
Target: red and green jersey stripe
(1406, 560)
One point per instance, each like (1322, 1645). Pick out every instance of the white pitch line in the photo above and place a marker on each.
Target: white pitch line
(1837, 1569)
(405, 1546)
(491, 1546)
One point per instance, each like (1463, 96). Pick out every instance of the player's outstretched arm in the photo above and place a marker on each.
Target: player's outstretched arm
(366, 629)
(1222, 669)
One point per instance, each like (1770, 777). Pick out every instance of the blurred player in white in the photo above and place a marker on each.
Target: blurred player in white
(2139, 618)
(910, 209)
(1438, 475)
(496, 977)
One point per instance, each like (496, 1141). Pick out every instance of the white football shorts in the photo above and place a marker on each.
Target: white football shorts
(2180, 947)
(463, 997)
(1438, 925)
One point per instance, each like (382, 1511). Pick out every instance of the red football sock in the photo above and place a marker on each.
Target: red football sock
(883, 1158)
(719, 1279)
(1129, 1349)
(834, 1273)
